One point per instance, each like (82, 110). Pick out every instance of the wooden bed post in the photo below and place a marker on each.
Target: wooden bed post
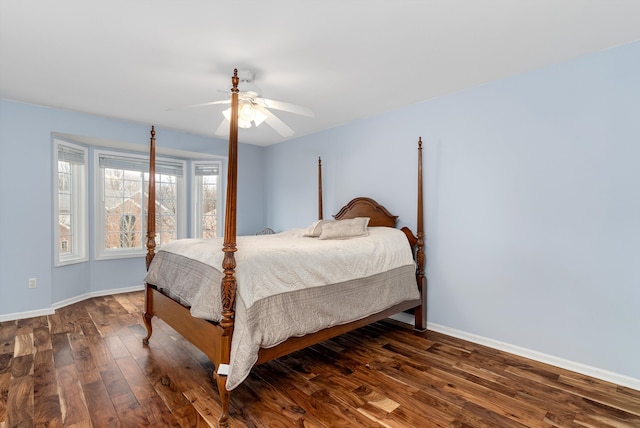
(420, 313)
(319, 188)
(151, 232)
(151, 200)
(228, 286)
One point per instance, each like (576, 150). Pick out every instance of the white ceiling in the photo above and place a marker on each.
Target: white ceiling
(345, 59)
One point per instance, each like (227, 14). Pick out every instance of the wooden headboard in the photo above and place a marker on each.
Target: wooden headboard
(367, 207)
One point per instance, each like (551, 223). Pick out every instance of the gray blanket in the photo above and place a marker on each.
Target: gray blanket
(274, 319)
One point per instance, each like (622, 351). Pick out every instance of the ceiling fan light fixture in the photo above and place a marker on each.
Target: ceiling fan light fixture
(253, 110)
(246, 114)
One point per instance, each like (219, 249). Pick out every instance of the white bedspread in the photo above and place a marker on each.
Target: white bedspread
(288, 285)
(267, 265)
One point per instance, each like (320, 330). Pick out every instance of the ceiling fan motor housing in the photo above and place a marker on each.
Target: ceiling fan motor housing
(246, 75)
(246, 86)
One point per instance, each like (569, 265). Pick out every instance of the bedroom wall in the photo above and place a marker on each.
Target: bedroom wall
(532, 205)
(26, 247)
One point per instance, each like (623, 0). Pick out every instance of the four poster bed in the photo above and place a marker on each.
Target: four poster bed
(291, 289)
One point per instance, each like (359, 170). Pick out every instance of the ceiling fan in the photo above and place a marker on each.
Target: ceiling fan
(253, 109)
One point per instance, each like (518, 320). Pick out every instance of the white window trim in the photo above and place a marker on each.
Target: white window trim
(196, 197)
(80, 206)
(102, 253)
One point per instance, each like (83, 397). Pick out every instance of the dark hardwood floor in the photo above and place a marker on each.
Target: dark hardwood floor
(85, 366)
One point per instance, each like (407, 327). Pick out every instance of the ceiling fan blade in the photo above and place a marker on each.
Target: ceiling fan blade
(291, 108)
(223, 128)
(274, 122)
(210, 103)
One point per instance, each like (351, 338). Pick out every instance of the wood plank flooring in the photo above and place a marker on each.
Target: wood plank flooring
(85, 366)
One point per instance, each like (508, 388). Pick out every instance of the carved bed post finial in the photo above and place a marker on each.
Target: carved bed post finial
(319, 188)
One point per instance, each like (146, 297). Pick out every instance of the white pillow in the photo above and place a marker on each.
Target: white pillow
(343, 229)
(316, 228)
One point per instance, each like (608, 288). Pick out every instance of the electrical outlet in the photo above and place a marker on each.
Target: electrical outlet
(33, 282)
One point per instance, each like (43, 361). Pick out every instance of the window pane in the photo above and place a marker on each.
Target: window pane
(64, 203)
(166, 208)
(64, 234)
(65, 227)
(206, 188)
(64, 177)
(124, 203)
(128, 231)
(71, 209)
(122, 208)
(112, 240)
(125, 207)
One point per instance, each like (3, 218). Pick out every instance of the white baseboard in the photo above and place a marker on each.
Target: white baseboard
(573, 366)
(27, 314)
(67, 302)
(92, 294)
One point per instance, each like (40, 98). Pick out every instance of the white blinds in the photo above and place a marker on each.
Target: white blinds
(70, 154)
(207, 169)
(139, 164)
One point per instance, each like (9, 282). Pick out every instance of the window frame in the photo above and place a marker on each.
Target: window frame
(102, 253)
(196, 197)
(79, 206)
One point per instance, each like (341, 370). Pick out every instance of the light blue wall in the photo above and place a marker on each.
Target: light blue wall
(26, 247)
(532, 203)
